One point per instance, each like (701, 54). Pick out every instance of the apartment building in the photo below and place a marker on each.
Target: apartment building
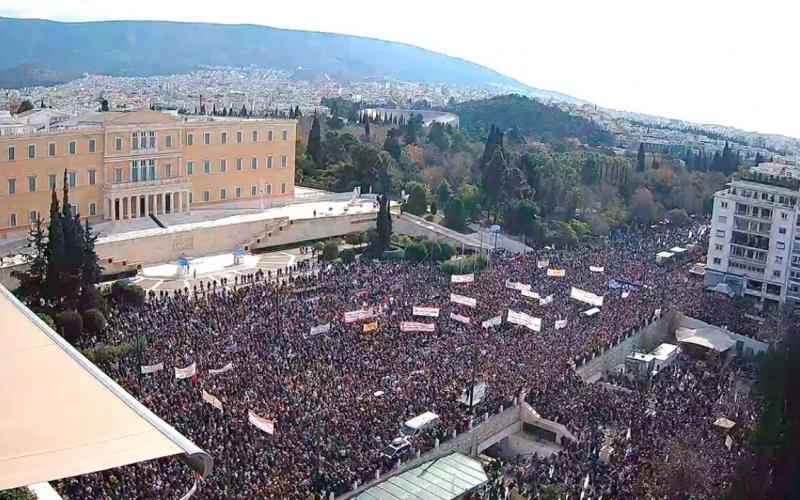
(123, 165)
(754, 244)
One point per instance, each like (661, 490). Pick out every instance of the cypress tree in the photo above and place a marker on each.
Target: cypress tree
(366, 130)
(31, 281)
(640, 166)
(55, 253)
(314, 147)
(90, 268)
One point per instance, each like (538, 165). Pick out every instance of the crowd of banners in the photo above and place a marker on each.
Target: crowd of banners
(489, 323)
(596, 269)
(152, 368)
(556, 273)
(187, 372)
(462, 278)
(370, 327)
(561, 323)
(520, 318)
(513, 285)
(226, 368)
(587, 297)
(541, 264)
(461, 319)
(460, 299)
(316, 330)
(361, 314)
(212, 400)
(430, 312)
(413, 326)
(262, 423)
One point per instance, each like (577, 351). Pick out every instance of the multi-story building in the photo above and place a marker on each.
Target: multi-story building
(122, 165)
(754, 244)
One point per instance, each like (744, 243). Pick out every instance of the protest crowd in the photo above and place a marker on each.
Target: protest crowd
(294, 399)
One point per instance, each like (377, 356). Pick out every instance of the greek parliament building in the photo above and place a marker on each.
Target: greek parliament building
(129, 164)
(754, 243)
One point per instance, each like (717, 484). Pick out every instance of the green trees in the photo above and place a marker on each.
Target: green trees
(314, 147)
(493, 179)
(438, 137)
(64, 269)
(443, 193)
(455, 215)
(640, 166)
(415, 252)
(24, 106)
(643, 207)
(417, 203)
(330, 251)
(383, 231)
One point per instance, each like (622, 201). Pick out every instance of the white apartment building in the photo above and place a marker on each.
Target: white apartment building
(752, 245)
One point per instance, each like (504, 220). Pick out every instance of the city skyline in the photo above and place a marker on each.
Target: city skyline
(714, 63)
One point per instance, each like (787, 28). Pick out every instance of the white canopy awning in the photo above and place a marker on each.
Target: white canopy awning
(64, 417)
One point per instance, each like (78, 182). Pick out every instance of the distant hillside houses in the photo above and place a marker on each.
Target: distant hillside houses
(428, 116)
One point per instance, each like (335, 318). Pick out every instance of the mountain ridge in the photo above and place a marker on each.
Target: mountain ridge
(126, 48)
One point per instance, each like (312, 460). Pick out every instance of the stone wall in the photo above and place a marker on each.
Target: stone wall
(645, 338)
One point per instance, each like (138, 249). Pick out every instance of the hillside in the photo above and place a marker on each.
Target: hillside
(533, 118)
(158, 47)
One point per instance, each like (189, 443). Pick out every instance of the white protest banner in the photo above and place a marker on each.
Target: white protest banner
(262, 423)
(541, 264)
(462, 278)
(460, 299)
(596, 269)
(430, 312)
(587, 297)
(212, 400)
(316, 330)
(728, 442)
(187, 372)
(517, 286)
(520, 318)
(561, 323)
(152, 368)
(353, 316)
(528, 293)
(224, 369)
(489, 323)
(625, 294)
(546, 300)
(556, 273)
(412, 326)
(460, 318)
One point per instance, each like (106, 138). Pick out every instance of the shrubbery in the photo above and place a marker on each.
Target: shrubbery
(124, 292)
(70, 325)
(471, 264)
(330, 251)
(347, 255)
(93, 321)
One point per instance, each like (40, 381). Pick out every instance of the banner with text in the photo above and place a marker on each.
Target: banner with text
(530, 294)
(152, 368)
(361, 314)
(561, 323)
(520, 318)
(370, 327)
(546, 300)
(413, 326)
(430, 312)
(262, 423)
(587, 297)
(316, 330)
(489, 323)
(556, 273)
(541, 264)
(187, 372)
(212, 400)
(596, 269)
(224, 369)
(460, 299)
(517, 286)
(462, 278)
(461, 319)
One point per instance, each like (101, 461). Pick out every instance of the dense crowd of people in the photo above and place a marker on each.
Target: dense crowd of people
(337, 398)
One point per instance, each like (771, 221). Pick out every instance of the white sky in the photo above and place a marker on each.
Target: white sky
(731, 62)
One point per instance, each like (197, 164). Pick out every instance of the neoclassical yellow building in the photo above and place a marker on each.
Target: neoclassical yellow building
(123, 165)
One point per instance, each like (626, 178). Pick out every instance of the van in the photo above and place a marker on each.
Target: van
(420, 424)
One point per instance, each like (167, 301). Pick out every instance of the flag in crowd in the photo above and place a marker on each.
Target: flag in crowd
(218, 371)
(212, 400)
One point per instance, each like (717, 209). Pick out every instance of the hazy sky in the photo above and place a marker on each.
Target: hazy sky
(731, 62)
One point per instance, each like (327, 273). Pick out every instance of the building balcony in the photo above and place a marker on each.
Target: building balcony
(152, 185)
